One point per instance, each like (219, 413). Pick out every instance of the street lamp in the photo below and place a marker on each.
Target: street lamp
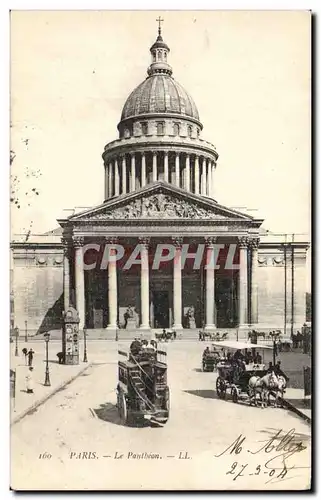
(47, 377)
(85, 360)
(16, 332)
(26, 331)
(273, 335)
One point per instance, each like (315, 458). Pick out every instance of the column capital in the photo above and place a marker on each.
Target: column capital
(78, 241)
(254, 243)
(243, 241)
(177, 241)
(111, 240)
(210, 240)
(144, 240)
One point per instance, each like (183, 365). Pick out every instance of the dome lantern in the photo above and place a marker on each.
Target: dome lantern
(159, 51)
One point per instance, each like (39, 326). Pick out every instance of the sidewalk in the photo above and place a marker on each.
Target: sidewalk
(295, 400)
(60, 375)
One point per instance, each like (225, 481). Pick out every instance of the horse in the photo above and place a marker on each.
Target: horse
(262, 386)
(279, 390)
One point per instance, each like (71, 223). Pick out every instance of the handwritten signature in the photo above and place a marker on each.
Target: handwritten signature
(282, 445)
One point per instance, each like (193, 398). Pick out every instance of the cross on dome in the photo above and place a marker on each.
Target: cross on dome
(159, 20)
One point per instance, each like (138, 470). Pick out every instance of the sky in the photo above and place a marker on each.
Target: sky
(247, 71)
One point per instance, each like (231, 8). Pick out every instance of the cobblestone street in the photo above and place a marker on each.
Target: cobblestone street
(79, 429)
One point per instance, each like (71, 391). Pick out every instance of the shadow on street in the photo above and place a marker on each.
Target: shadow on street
(108, 413)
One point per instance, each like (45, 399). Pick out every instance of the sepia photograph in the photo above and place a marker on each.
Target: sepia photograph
(160, 250)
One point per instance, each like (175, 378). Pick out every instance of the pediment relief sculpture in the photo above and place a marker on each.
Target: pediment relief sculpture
(158, 206)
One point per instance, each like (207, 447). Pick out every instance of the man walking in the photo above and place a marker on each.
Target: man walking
(30, 357)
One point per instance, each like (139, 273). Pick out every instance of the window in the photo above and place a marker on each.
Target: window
(126, 133)
(154, 56)
(198, 132)
(159, 55)
(160, 128)
(189, 131)
(144, 128)
(176, 128)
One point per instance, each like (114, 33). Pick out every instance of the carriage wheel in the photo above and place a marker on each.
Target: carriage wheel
(122, 408)
(235, 395)
(221, 388)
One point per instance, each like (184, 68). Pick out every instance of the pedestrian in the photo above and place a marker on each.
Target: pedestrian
(29, 381)
(60, 356)
(30, 356)
(25, 352)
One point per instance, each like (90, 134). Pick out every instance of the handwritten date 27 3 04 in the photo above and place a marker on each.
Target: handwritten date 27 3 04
(238, 470)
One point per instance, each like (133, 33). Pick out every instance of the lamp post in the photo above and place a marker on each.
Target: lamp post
(16, 331)
(47, 377)
(273, 336)
(26, 331)
(85, 360)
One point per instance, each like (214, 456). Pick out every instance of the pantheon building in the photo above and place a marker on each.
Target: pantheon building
(160, 185)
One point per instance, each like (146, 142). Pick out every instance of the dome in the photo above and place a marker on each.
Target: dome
(159, 93)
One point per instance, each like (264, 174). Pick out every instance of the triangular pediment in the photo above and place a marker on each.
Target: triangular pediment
(160, 201)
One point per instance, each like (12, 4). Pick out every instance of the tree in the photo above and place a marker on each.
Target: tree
(23, 187)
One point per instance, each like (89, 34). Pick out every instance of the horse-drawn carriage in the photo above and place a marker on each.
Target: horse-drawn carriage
(216, 336)
(210, 359)
(165, 335)
(142, 390)
(246, 380)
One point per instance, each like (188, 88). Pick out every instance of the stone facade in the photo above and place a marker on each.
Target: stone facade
(159, 189)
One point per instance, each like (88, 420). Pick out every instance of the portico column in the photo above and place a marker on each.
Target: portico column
(197, 175)
(66, 274)
(177, 284)
(116, 178)
(203, 178)
(187, 174)
(144, 284)
(177, 170)
(213, 187)
(124, 180)
(133, 173)
(154, 167)
(209, 178)
(254, 281)
(243, 286)
(143, 169)
(110, 179)
(210, 283)
(79, 280)
(166, 166)
(112, 285)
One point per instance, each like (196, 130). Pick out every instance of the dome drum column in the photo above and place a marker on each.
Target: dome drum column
(154, 178)
(110, 180)
(106, 182)
(116, 177)
(197, 175)
(203, 182)
(166, 166)
(187, 173)
(132, 173)
(209, 178)
(123, 166)
(177, 172)
(143, 181)
(213, 181)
